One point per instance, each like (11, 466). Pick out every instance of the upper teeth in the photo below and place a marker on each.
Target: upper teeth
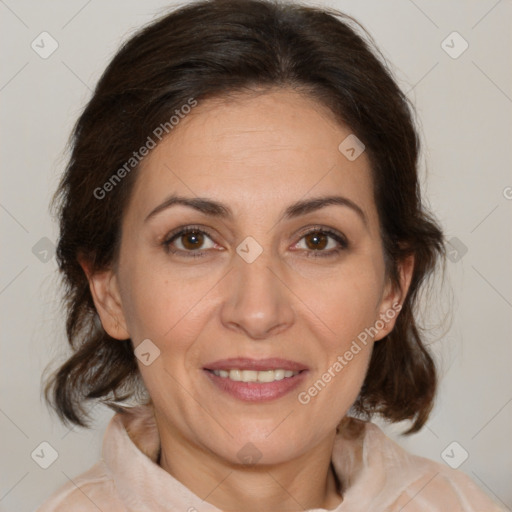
(254, 376)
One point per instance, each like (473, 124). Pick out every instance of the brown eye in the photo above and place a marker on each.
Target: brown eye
(323, 243)
(316, 240)
(192, 240)
(189, 242)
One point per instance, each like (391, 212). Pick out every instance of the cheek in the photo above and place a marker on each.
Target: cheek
(345, 300)
(162, 302)
(344, 348)
(343, 308)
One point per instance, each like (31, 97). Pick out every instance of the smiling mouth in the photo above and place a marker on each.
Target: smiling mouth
(256, 380)
(261, 385)
(263, 376)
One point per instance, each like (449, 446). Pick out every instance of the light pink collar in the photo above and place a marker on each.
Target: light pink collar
(372, 468)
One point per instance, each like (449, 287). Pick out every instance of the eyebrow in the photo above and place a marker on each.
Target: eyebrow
(220, 210)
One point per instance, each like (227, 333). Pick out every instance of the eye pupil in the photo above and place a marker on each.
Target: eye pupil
(195, 238)
(319, 241)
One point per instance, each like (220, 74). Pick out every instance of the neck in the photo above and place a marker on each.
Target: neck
(300, 484)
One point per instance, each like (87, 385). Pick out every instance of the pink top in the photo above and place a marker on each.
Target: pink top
(376, 475)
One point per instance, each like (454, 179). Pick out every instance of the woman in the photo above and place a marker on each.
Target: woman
(243, 242)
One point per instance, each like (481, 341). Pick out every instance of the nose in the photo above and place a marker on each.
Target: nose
(258, 301)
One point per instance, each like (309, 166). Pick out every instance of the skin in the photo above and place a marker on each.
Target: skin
(256, 153)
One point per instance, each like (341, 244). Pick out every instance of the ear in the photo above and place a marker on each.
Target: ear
(105, 293)
(393, 297)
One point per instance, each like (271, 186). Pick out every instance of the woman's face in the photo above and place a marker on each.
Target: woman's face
(268, 280)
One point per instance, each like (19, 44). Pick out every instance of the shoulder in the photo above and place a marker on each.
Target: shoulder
(426, 485)
(91, 491)
(440, 488)
(399, 480)
(434, 486)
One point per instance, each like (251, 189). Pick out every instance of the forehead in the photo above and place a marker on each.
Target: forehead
(256, 150)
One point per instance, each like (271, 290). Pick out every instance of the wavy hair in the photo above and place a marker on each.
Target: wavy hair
(211, 49)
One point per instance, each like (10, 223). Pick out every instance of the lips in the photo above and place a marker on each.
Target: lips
(242, 363)
(235, 377)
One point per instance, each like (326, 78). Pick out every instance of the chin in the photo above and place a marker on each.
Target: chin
(258, 447)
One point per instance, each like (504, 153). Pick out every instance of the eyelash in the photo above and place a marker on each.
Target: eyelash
(338, 237)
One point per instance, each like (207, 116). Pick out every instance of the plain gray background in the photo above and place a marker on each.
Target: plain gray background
(465, 108)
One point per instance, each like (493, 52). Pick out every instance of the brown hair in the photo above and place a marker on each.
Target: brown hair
(210, 49)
